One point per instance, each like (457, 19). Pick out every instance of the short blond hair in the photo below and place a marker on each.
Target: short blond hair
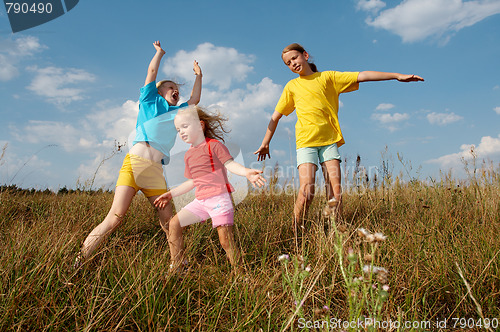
(158, 84)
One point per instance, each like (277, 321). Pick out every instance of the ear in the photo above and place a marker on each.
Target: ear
(202, 123)
(306, 55)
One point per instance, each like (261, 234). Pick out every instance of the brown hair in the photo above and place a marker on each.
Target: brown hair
(214, 122)
(299, 48)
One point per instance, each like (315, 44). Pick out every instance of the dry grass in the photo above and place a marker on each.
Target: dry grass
(431, 229)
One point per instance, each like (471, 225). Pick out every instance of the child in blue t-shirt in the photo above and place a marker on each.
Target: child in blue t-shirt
(142, 166)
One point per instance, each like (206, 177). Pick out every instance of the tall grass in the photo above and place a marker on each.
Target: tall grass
(434, 231)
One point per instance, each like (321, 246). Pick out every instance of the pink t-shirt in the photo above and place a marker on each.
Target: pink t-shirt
(205, 165)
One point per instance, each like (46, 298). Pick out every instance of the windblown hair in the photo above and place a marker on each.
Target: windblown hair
(214, 122)
(160, 83)
(299, 48)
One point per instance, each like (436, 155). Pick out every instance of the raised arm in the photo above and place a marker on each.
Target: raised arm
(367, 76)
(196, 93)
(253, 175)
(155, 63)
(263, 151)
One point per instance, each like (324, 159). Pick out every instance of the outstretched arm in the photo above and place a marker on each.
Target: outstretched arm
(253, 175)
(155, 63)
(196, 93)
(263, 151)
(367, 76)
(165, 198)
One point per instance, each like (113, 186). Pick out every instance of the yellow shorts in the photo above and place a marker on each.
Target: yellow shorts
(142, 174)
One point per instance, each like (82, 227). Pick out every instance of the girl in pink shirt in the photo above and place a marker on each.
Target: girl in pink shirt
(206, 162)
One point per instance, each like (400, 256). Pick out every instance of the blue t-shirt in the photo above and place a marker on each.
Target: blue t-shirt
(155, 121)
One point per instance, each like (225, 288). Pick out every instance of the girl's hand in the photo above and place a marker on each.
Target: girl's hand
(196, 68)
(262, 152)
(163, 200)
(409, 78)
(253, 175)
(157, 47)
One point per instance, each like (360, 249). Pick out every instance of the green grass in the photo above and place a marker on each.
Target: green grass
(126, 287)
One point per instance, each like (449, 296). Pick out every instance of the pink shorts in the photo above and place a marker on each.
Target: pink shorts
(219, 208)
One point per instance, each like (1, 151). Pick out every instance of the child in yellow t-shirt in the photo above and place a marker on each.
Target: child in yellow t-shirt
(314, 96)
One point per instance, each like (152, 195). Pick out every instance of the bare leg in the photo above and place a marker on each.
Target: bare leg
(175, 239)
(332, 173)
(121, 203)
(307, 180)
(165, 214)
(226, 238)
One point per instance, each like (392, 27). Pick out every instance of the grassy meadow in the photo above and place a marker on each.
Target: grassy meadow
(442, 238)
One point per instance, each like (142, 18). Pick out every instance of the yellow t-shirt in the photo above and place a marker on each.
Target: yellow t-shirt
(316, 100)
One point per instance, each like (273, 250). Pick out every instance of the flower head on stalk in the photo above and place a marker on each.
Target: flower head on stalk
(363, 233)
(374, 269)
(283, 257)
(379, 237)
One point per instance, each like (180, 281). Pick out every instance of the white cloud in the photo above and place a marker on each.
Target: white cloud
(415, 20)
(384, 107)
(221, 66)
(14, 51)
(7, 69)
(96, 174)
(113, 122)
(93, 137)
(50, 132)
(248, 110)
(442, 119)
(497, 109)
(96, 132)
(370, 5)
(488, 148)
(390, 121)
(26, 46)
(57, 84)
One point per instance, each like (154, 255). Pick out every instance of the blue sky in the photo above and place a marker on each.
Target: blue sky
(69, 88)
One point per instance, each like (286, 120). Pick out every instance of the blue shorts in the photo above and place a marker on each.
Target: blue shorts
(311, 155)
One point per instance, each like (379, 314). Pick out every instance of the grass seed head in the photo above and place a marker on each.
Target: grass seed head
(333, 202)
(379, 237)
(342, 229)
(363, 233)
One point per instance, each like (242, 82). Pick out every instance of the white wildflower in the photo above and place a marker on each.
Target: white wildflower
(283, 257)
(363, 232)
(374, 269)
(379, 237)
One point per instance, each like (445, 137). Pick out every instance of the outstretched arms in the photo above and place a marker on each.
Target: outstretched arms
(367, 76)
(196, 93)
(155, 63)
(263, 151)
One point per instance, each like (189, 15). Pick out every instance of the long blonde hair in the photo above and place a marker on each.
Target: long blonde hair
(214, 123)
